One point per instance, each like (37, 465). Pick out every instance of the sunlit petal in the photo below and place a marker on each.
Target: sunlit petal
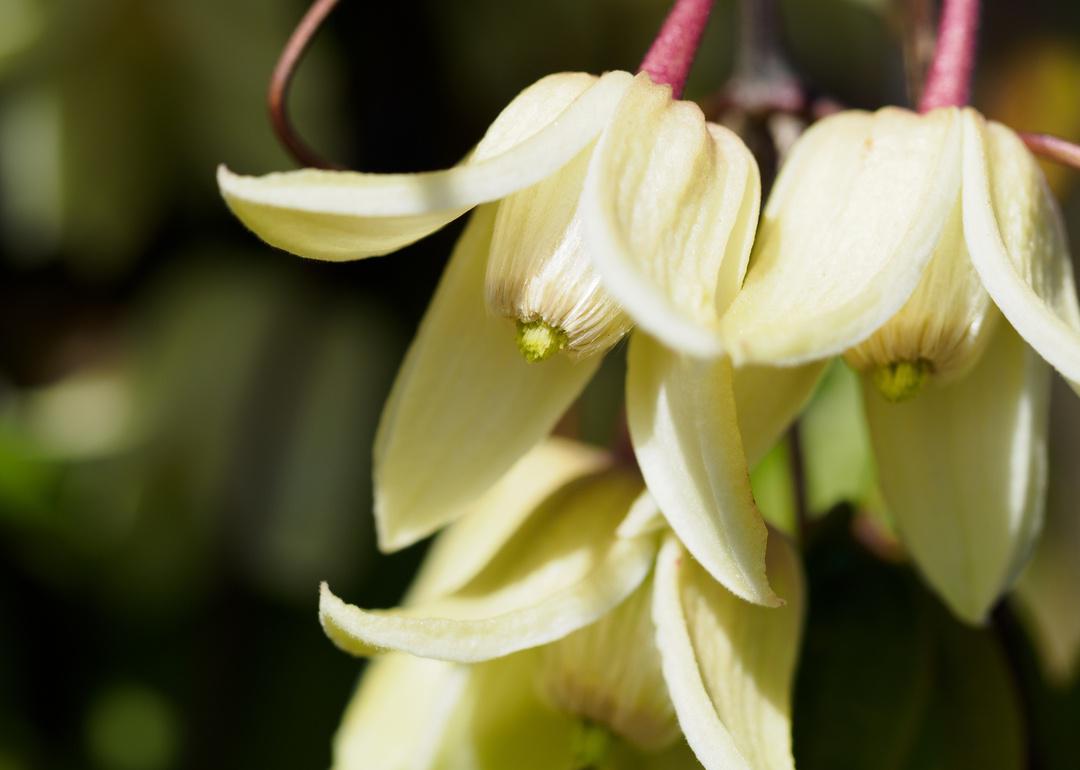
(848, 229)
(670, 207)
(729, 664)
(341, 215)
(466, 405)
(681, 413)
(1017, 242)
(963, 470)
(562, 570)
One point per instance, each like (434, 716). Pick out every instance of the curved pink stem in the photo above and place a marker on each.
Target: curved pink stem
(949, 82)
(672, 52)
(1053, 148)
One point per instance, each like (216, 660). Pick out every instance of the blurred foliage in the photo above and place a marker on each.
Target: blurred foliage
(186, 417)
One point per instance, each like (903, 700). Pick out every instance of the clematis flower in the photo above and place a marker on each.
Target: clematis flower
(607, 204)
(928, 251)
(560, 623)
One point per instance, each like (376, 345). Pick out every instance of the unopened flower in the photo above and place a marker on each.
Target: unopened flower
(583, 619)
(899, 240)
(617, 204)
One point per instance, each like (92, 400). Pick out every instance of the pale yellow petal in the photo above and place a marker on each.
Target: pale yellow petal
(341, 215)
(768, 399)
(1017, 242)
(397, 692)
(670, 208)
(465, 406)
(681, 414)
(963, 470)
(643, 517)
(729, 665)
(1048, 591)
(849, 227)
(562, 570)
(465, 547)
(502, 724)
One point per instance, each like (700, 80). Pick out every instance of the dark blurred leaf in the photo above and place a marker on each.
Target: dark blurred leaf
(865, 676)
(889, 680)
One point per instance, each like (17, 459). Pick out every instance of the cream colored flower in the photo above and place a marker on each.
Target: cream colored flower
(579, 612)
(899, 240)
(617, 205)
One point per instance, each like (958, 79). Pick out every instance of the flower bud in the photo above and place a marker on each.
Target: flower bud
(539, 275)
(941, 330)
(608, 674)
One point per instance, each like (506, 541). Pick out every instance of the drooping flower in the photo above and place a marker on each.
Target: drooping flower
(900, 240)
(592, 638)
(618, 205)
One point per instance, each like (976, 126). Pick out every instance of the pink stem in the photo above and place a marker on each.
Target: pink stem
(1053, 148)
(949, 82)
(671, 54)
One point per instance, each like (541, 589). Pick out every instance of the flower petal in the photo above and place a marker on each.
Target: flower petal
(670, 208)
(397, 692)
(466, 405)
(340, 215)
(963, 471)
(1016, 237)
(470, 543)
(1048, 591)
(728, 664)
(643, 517)
(681, 414)
(562, 570)
(849, 227)
(768, 399)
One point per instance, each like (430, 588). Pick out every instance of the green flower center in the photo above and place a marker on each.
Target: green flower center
(538, 341)
(592, 743)
(901, 380)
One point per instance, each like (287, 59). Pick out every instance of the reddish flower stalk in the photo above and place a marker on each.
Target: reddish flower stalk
(1053, 148)
(672, 52)
(281, 78)
(949, 82)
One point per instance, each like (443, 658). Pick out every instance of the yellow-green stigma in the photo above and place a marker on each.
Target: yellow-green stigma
(538, 341)
(901, 380)
(592, 743)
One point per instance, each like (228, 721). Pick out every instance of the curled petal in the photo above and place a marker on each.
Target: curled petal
(341, 215)
(963, 471)
(470, 543)
(729, 664)
(562, 570)
(1017, 242)
(848, 229)
(465, 406)
(681, 413)
(670, 208)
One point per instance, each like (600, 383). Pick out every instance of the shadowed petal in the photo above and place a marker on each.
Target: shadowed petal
(963, 470)
(465, 406)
